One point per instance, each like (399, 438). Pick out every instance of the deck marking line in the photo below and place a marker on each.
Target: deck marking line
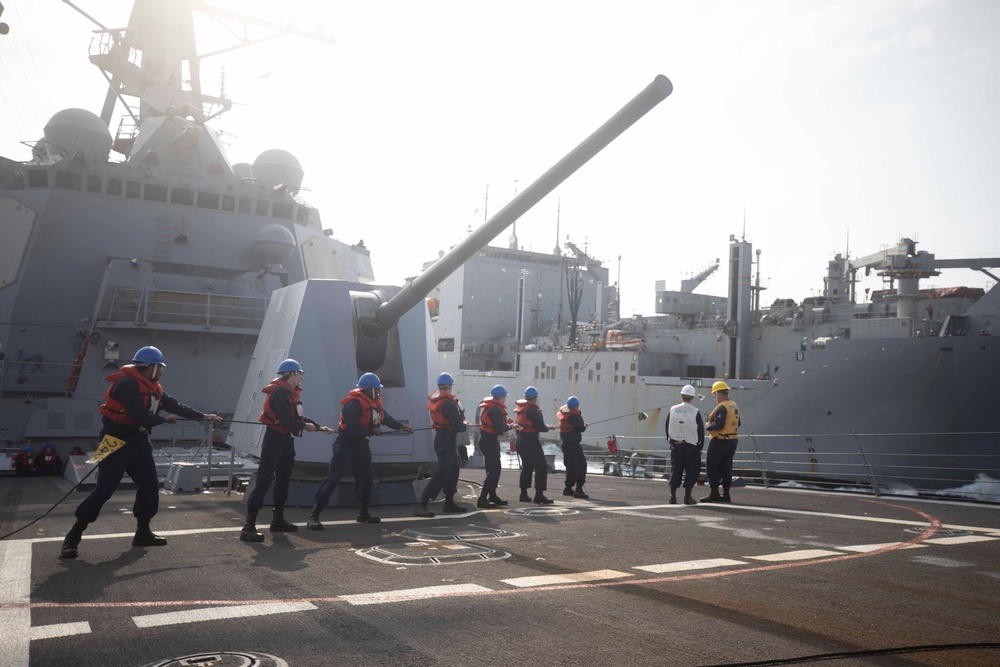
(220, 613)
(574, 577)
(60, 630)
(15, 599)
(413, 594)
(798, 554)
(963, 539)
(865, 548)
(688, 565)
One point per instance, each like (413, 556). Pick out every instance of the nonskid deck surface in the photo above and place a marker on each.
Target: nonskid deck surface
(621, 578)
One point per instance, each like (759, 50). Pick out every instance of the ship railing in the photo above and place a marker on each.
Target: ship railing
(35, 378)
(916, 464)
(172, 309)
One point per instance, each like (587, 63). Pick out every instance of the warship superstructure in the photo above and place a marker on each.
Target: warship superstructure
(876, 388)
(145, 236)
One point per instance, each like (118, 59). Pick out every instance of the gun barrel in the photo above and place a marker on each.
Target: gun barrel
(388, 313)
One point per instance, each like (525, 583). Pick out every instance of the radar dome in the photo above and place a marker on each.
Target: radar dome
(243, 170)
(72, 130)
(278, 167)
(274, 244)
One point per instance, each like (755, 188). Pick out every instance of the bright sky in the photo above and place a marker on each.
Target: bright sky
(829, 123)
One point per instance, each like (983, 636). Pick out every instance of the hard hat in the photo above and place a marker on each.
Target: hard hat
(572, 402)
(445, 379)
(720, 386)
(149, 355)
(688, 390)
(531, 392)
(290, 366)
(369, 381)
(498, 391)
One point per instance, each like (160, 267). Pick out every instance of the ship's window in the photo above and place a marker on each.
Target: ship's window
(155, 192)
(631, 380)
(208, 200)
(302, 215)
(115, 187)
(182, 196)
(616, 378)
(632, 367)
(281, 209)
(94, 183)
(261, 207)
(38, 178)
(245, 205)
(133, 189)
(536, 372)
(616, 366)
(446, 344)
(70, 180)
(570, 376)
(228, 203)
(590, 375)
(598, 365)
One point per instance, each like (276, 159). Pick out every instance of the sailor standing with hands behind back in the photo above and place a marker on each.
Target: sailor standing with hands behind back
(686, 435)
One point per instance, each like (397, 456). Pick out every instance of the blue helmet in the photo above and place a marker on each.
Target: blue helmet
(445, 379)
(369, 381)
(531, 392)
(290, 366)
(149, 355)
(573, 402)
(498, 391)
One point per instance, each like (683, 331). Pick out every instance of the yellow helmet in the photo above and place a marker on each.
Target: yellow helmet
(720, 386)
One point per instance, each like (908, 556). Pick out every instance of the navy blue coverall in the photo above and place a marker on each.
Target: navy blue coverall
(277, 453)
(529, 448)
(135, 457)
(446, 447)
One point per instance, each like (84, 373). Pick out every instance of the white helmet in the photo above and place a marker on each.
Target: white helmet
(688, 390)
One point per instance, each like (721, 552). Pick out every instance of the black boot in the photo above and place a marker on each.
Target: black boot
(725, 495)
(688, 499)
(578, 493)
(540, 499)
(364, 516)
(312, 523)
(568, 491)
(712, 497)
(144, 537)
(72, 540)
(451, 507)
(495, 499)
(249, 532)
(484, 502)
(278, 523)
(673, 496)
(422, 511)
(525, 498)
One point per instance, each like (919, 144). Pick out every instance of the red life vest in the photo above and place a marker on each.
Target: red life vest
(371, 410)
(485, 425)
(521, 416)
(564, 412)
(435, 403)
(612, 445)
(48, 458)
(269, 417)
(149, 392)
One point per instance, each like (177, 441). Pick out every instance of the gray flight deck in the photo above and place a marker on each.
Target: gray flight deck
(621, 579)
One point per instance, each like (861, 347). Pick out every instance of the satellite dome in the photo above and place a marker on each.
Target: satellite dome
(278, 167)
(274, 244)
(72, 130)
(243, 170)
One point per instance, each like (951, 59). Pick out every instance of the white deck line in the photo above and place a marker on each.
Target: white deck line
(220, 613)
(572, 578)
(412, 594)
(686, 565)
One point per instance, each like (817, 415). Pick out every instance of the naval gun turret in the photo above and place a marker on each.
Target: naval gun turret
(339, 330)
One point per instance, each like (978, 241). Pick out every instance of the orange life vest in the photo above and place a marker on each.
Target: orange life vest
(564, 412)
(485, 425)
(371, 411)
(269, 417)
(150, 392)
(521, 416)
(436, 403)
